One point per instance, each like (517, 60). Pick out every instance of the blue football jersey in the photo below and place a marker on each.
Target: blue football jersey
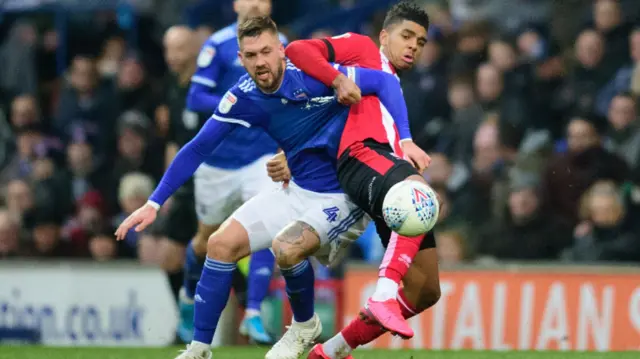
(303, 116)
(218, 69)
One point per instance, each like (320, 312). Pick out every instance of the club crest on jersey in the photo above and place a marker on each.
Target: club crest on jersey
(299, 94)
(206, 56)
(227, 102)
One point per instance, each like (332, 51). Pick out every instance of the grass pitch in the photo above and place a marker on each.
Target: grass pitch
(30, 352)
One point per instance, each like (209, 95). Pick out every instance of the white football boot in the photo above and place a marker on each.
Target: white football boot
(298, 338)
(195, 351)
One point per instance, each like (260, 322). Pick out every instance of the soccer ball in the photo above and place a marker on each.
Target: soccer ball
(410, 208)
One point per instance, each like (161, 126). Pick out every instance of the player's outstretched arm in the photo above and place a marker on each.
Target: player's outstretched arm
(183, 166)
(314, 56)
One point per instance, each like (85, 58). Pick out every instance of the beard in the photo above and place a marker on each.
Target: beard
(272, 84)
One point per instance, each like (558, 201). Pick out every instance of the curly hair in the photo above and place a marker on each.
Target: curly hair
(406, 10)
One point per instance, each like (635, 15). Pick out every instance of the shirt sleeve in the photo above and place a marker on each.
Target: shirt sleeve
(314, 56)
(228, 116)
(204, 80)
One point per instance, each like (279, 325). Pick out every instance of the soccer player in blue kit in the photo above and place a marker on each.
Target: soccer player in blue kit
(310, 217)
(230, 176)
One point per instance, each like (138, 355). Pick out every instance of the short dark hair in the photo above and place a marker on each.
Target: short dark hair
(406, 10)
(255, 26)
(626, 94)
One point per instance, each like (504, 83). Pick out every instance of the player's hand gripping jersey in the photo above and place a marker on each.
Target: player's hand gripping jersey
(369, 119)
(303, 116)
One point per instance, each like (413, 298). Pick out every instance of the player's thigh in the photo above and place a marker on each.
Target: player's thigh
(337, 221)
(254, 179)
(217, 194)
(265, 215)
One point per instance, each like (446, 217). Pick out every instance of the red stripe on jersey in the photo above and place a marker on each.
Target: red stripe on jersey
(371, 158)
(366, 119)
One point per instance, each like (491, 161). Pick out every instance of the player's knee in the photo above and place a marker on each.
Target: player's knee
(229, 244)
(294, 244)
(287, 255)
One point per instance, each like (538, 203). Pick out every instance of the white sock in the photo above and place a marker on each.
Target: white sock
(336, 347)
(385, 289)
(199, 346)
(250, 313)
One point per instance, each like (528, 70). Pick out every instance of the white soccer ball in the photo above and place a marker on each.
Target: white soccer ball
(411, 208)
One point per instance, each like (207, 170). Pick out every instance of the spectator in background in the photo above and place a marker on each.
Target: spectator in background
(102, 247)
(517, 76)
(425, 89)
(44, 223)
(466, 116)
(624, 132)
(111, 58)
(526, 232)
(89, 218)
(627, 78)
(470, 47)
(570, 174)
(81, 173)
(24, 112)
(31, 145)
(589, 76)
(133, 89)
(543, 55)
(489, 87)
(9, 235)
(134, 189)
(135, 151)
(86, 104)
(607, 233)
(608, 21)
(18, 58)
(19, 198)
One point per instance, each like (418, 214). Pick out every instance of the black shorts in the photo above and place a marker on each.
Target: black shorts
(366, 172)
(181, 222)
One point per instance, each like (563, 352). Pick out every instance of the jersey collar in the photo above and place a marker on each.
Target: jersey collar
(387, 66)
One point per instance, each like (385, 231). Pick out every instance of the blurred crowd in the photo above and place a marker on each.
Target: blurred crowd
(528, 110)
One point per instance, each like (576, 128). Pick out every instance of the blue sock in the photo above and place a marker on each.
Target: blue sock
(299, 285)
(212, 294)
(192, 271)
(259, 278)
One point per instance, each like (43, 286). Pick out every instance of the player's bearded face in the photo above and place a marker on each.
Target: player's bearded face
(402, 43)
(263, 58)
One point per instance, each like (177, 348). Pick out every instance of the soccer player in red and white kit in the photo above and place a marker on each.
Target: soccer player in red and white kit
(370, 162)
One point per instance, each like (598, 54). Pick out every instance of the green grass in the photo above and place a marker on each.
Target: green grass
(30, 352)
